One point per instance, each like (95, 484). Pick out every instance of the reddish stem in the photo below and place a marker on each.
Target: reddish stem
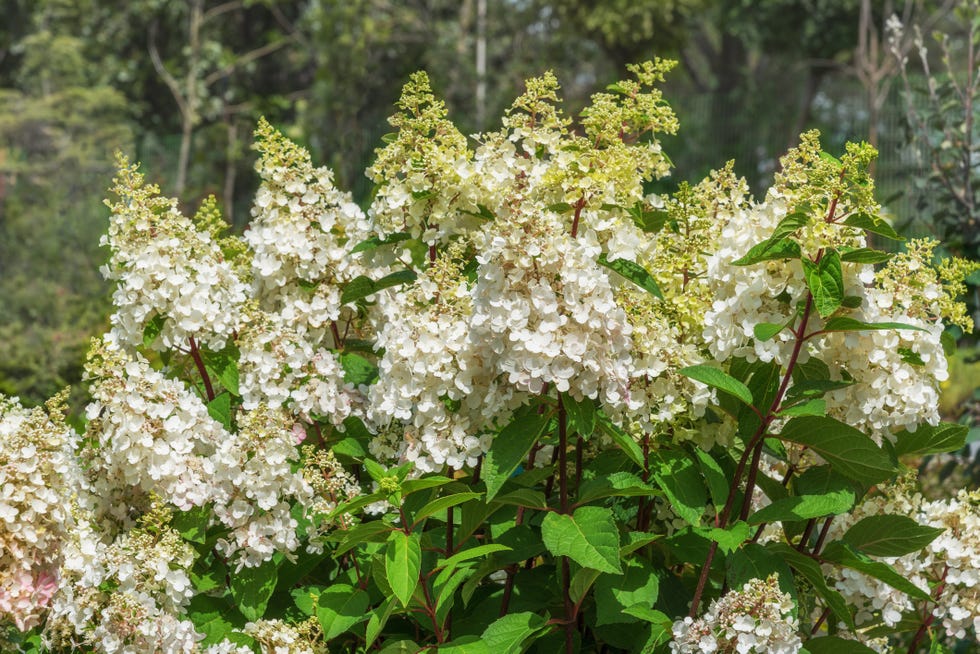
(199, 362)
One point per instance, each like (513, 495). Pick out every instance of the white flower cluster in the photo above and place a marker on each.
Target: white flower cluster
(126, 597)
(745, 296)
(254, 487)
(278, 637)
(432, 379)
(165, 268)
(281, 366)
(947, 568)
(151, 433)
(546, 311)
(300, 237)
(897, 372)
(754, 620)
(38, 473)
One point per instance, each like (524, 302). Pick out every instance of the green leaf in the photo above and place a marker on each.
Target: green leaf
(223, 365)
(636, 540)
(910, 356)
(339, 608)
(765, 331)
(214, 618)
(623, 440)
(403, 560)
(357, 369)
(192, 524)
(375, 531)
(677, 475)
(445, 590)
(153, 329)
(633, 272)
(728, 539)
(616, 484)
(926, 439)
(843, 554)
(377, 621)
(865, 255)
(252, 588)
(511, 446)
(401, 647)
(581, 415)
(581, 582)
(613, 594)
(396, 278)
(410, 486)
(769, 250)
(848, 450)
(589, 537)
(890, 535)
(650, 222)
(826, 282)
(718, 379)
(356, 289)
(813, 388)
(715, 477)
(810, 570)
(440, 504)
(375, 242)
(472, 553)
(559, 207)
(805, 507)
(873, 224)
(815, 407)
(507, 635)
(466, 645)
(836, 645)
(220, 409)
(826, 156)
(845, 324)
(523, 497)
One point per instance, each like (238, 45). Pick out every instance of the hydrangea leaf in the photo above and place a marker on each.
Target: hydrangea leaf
(589, 537)
(719, 379)
(769, 250)
(623, 440)
(845, 555)
(440, 504)
(805, 507)
(339, 608)
(865, 255)
(927, 439)
(826, 283)
(678, 476)
(581, 415)
(874, 225)
(153, 329)
(613, 594)
(810, 570)
(377, 621)
(633, 272)
(252, 588)
(508, 634)
(403, 560)
(890, 535)
(848, 450)
(511, 446)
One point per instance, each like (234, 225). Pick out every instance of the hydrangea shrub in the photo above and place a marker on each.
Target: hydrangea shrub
(519, 404)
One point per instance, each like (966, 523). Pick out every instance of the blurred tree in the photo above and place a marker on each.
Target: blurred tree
(58, 130)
